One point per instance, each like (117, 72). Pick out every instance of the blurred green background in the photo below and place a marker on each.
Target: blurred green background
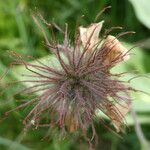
(19, 33)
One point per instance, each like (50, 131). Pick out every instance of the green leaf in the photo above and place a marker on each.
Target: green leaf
(142, 11)
(7, 143)
(20, 70)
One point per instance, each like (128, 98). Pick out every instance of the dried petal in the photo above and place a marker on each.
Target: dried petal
(70, 122)
(116, 51)
(89, 36)
(117, 114)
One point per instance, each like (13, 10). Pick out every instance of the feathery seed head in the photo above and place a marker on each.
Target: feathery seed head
(68, 96)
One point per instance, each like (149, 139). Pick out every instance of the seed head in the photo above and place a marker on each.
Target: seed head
(70, 95)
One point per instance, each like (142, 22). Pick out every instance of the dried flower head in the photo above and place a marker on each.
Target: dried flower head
(69, 95)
